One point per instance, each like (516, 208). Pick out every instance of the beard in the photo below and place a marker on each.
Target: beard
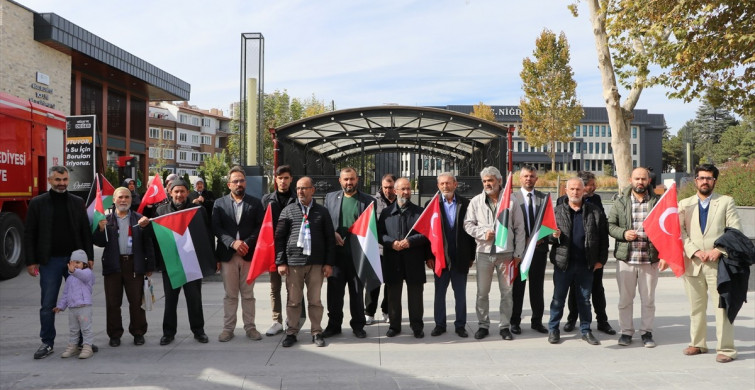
(239, 191)
(575, 200)
(707, 190)
(639, 189)
(402, 201)
(349, 189)
(490, 191)
(122, 208)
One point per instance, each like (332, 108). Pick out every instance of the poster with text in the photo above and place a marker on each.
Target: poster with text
(80, 133)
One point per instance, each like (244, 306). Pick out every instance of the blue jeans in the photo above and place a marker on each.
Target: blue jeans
(581, 276)
(458, 282)
(51, 276)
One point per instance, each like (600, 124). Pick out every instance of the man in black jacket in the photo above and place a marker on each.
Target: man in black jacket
(304, 247)
(460, 254)
(403, 259)
(283, 196)
(580, 246)
(345, 206)
(201, 196)
(236, 221)
(56, 225)
(127, 258)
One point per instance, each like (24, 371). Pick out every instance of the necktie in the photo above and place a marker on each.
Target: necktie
(531, 212)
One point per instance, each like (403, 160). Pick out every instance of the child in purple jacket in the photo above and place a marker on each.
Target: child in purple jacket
(77, 296)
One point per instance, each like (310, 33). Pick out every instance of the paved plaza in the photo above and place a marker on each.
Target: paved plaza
(378, 362)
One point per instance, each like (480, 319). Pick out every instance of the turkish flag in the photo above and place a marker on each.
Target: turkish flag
(430, 225)
(155, 193)
(264, 252)
(664, 231)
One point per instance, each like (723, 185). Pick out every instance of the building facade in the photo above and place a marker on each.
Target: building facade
(47, 59)
(181, 136)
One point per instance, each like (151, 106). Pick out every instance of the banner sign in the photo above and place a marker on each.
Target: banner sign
(80, 133)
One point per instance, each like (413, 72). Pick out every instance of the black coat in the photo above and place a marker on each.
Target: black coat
(333, 202)
(275, 206)
(596, 236)
(465, 244)
(321, 231)
(225, 228)
(207, 265)
(209, 199)
(734, 270)
(38, 229)
(141, 247)
(407, 264)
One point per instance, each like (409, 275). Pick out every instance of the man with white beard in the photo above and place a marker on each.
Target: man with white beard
(128, 257)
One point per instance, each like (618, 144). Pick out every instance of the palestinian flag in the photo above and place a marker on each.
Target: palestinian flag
(545, 225)
(502, 218)
(98, 212)
(105, 194)
(263, 259)
(184, 244)
(364, 246)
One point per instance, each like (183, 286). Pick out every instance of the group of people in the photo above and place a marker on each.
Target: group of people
(313, 244)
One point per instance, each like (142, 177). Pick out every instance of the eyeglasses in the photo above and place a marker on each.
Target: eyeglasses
(706, 178)
(239, 181)
(302, 188)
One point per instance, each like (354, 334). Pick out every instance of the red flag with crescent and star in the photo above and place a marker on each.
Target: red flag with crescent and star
(429, 224)
(664, 231)
(155, 193)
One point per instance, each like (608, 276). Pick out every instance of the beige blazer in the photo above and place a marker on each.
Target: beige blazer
(722, 213)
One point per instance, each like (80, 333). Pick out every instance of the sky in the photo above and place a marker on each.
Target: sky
(355, 53)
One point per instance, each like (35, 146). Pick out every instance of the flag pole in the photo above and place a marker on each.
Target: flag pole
(420, 217)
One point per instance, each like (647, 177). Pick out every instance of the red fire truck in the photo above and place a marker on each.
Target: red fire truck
(32, 139)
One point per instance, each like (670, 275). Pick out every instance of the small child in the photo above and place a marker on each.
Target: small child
(77, 296)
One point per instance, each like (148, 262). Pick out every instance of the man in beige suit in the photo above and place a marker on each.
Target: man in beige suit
(704, 216)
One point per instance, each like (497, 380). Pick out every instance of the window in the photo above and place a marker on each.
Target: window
(587, 165)
(183, 118)
(602, 131)
(182, 137)
(195, 121)
(579, 146)
(603, 147)
(182, 156)
(154, 152)
(609, 131)
(558, 147)
(195, 157)
(168, 154)
(590, 146)
(591, 131)
(610, 148)
(634, 132)
(168, 135)
(571, 147)
(519, 146)
(634, 163)
(584, 130)
(154, 133)
(634, 149)
(576, 132)
(206, 140)
(195, 139)
(206, 122)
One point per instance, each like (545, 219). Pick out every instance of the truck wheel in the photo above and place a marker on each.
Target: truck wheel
(11, 245)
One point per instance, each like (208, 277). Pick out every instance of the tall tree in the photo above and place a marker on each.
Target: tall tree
(703, 47)
(550, 109)
(710, 123)
(483, 111)
(737, 143)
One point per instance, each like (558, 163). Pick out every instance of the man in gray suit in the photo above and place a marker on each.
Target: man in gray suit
(531, 200)
(236, 221)
(345, 206)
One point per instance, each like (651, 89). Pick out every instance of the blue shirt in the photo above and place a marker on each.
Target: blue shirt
(450, 210)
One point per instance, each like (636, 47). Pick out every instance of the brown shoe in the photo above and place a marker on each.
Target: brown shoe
(689, 351)
(721, 358)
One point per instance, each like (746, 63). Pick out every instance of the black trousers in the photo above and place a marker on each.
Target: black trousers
(536, 280)
(193, 295)
(415, 303)
(598, 299)
(336, 286)
(133, 284)
(371, 298)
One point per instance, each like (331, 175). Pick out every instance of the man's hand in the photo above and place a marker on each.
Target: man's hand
(143, 222)
(702, 255)
(339, 240)
(630, 235)
(283, 269)
(240, 247)
(597, 266)
(33, 270)
(327, 270)
(489, 235)
(557, 233)
(55, 310)
(430, 263)
(101, 225)
(517, 260)
(218, 266)
(91, 264)
(198, 200)
(714, 254)
(396, 246)
(662, 265)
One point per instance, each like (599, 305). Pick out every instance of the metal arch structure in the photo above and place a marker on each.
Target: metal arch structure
(318, 144)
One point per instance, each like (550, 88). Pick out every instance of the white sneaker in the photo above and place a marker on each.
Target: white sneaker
(369, 320)
(274, 329)
(385, 317)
